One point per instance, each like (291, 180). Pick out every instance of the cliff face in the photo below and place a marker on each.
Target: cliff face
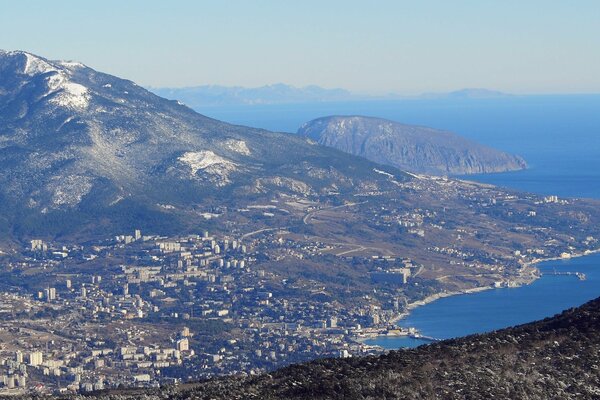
(556, 358)
(412, 148)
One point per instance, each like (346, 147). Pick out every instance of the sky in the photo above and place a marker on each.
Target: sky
(370, 47)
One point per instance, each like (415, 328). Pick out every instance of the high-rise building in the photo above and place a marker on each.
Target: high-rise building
(50, 294)
(36, 358)
(374, 319)
(38, 245)
(183, 344)
(332, 322)
(138, 234)
(10, 382)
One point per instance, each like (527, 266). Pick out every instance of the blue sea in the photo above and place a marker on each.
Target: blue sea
(499, 308)
(559, 137)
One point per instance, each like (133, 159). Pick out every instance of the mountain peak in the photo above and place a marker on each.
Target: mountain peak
(54, 78)
(78, 140)
(29, 64)
(34, 65)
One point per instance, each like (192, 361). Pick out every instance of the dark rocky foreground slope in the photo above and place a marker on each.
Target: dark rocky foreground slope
(556, 358)
(412, 148)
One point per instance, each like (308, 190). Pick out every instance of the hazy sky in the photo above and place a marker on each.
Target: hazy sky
(408, 47)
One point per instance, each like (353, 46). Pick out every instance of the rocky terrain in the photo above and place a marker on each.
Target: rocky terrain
(556, 358)
(411, 148)
(77, 145)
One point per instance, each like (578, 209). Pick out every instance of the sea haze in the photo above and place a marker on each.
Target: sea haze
(559, 136)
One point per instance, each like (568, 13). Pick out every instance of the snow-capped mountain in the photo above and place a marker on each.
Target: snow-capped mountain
(77, 141)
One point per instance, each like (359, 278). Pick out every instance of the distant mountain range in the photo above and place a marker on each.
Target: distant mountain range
(198, 97)
(467, 94)
(408, 147)
(213, 95)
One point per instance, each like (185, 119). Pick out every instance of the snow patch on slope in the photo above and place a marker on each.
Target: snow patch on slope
(207, 162)
(70, 94)
(35, 65)
(69, 190)
(238, 146)
(71, 64)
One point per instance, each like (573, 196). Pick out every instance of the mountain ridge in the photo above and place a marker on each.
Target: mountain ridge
(202, 96)
(77, 139)
(279, 93)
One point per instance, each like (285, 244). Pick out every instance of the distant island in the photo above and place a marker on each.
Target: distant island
(214, 95)
(408, 147)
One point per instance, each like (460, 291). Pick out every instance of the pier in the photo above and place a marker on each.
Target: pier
(422, 337)
(580, 275)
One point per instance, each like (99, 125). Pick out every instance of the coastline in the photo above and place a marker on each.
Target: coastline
(533, 276)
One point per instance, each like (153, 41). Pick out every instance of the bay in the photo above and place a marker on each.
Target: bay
(493, 309)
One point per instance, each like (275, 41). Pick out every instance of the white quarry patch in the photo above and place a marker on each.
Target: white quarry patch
(70, 94)
(239, 146)
(206, 161)
(69, 190)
